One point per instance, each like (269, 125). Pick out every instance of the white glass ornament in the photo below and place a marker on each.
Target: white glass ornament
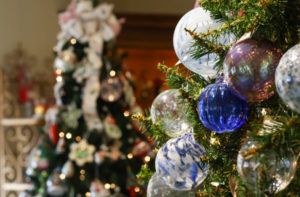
(111, 89)
(68, 169)
(287, 78)
(200, 21)
(171, 111)
(157, 188)
(265, 171)
(179, 165)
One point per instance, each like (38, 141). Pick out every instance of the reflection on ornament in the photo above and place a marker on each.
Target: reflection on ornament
(97, 189)
(287, 78)
(141, 148)
(222, 109)
(157, 188)
(171, 111)
(111, 89)
(179, 165)
(249, 69)
(82, 152)
(68, 169)
(197, 20)
(265, 171)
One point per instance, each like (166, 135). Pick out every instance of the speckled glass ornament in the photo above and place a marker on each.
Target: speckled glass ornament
(171, 111)
(265, 171)
(178, 163)
(249, 69)
(197, 20)
(287, 78)
(111, 89)
(157, 188)
(221, 109)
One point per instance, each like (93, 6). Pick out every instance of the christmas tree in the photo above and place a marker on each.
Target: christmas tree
(231, 126)
(90, 146)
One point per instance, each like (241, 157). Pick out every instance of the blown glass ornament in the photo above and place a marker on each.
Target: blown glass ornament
(56, 186)
(197, 20)
(265, 172)
(222, 109)
(157, 188)
(287, 78)
(111, 89)
(169, 110)
(249, 69)
(178, 163)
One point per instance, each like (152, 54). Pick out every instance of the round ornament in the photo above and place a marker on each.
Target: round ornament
(157, 188)
(171, 111)
(111, 89)
(249, 69)
(200, 21)
(222, 109)
(97, 189)
(141, 149)
(287, 78)
(178, 163)
(55, 185)
(265, 171)
(53, 134)
(68, 169)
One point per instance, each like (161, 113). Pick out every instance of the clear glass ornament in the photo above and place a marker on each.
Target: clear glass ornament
(179, 165)
(111, 89)
(56, 185)
(157, 188)
(287, 78)
(200, 21)
(171, 111)
(265, 171)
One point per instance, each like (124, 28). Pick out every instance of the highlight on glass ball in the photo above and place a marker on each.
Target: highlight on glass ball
(249, 69)
(221, 109)
(200, 21)
(171, 112)
(111, 89)
(179, 165)
(287, 78)
(265, 171)
(157, 188)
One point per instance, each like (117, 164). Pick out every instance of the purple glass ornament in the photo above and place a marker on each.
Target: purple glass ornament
(249, 69)
(221, 109)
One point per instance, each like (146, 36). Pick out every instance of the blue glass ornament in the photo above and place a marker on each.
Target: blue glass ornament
(178, 163)
(221, 109)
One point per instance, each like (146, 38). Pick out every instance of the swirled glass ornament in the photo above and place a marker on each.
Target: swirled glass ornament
(171, 111)
(221, 109)
(200, 21)
(249, 69)
(287, 78)
(179, 165)
(157, 188)
(265, 171)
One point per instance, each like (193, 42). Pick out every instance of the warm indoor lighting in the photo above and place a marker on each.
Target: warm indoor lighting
(88, 194)
(82, 177)
(62, 176)
(59, 78)
(126, 113)
(82, 171)
(78, 138)
(112, 186)
(137, 189)
(58, 71)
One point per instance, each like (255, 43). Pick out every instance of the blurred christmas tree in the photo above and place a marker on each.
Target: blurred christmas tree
(230, 127)
(90, 145)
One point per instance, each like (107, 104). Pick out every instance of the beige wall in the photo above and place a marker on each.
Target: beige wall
(30, 22)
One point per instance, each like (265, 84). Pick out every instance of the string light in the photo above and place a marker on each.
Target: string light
(62, 176)
(61, 134)
(58, 71)
(147, 159)
(73, 41)
(112, 186)
(59, 78)
(69, 135)
(130, 156)
(107, 186)
(82, 177)
(112, 73)
(88, 194)
(78, 138)
(137, 189)
(126, 113)
(82, 171)
(55, 48)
